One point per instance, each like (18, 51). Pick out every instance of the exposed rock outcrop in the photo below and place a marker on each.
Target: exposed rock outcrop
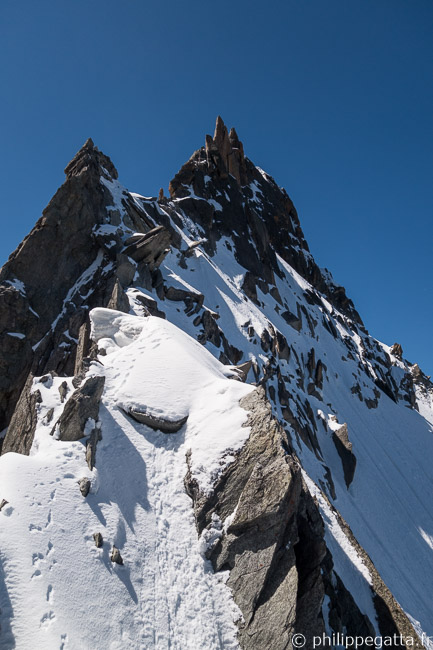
(150, 248)
(98, 540)
(157, 423)
(81, 407)
(344, 447)
(397, 350)
(116, 556)
(119, 300)
(265, 528)
(84, 485)
(257, 214)
(21, 430)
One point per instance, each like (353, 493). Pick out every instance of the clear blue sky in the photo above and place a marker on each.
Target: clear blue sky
(333, 98)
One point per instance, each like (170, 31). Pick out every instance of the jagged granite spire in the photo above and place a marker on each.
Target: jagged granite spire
(39, 274)
(90, 159)
(243, 202)
(226, 153)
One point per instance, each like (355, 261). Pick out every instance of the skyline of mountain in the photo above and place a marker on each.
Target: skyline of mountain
(201, 425)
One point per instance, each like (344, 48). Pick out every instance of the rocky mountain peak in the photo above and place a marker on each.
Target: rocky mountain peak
(300, 486)
(225, 153)
(89, 159)
(226, 194)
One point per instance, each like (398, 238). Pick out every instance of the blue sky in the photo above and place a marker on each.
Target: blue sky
(334, 99)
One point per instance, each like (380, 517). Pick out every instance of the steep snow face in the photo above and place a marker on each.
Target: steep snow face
(61, 590)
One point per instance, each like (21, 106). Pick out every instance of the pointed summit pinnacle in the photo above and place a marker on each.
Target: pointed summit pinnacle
(89, 144)
(226, 152)
(90, 159)
(220, 134)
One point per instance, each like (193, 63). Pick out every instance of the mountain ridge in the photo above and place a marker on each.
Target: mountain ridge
(225, 261)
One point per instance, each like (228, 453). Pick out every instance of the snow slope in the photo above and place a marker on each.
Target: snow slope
(165, 595)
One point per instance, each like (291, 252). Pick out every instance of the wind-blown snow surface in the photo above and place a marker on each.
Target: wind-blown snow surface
(62, 591)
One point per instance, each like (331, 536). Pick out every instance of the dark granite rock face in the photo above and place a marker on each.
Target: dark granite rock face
(67, 265)
(21, 431)
(270, 536)
(41, 274)
(265, 490)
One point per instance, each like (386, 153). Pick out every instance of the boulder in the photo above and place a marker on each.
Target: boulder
(341, 441)
(63, 391)
(397, 350)
(83, 346)
(81, 406)
(292, 320)
(156, 423)
(98, 539)
(242, 370)
(115, 556)
(178, 294)
(84, 484)
(149, 304)
(91, 443)
(150, 248)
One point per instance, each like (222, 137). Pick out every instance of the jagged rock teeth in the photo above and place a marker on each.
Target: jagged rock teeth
(90, 159)
(397, 350)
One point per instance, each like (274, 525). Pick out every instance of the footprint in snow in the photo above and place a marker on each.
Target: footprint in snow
(47, 618)
(36, 558)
